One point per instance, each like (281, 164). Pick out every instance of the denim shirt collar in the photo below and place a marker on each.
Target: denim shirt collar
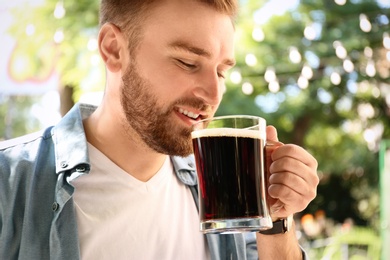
(69, 139)
(185, 169)
(71, 147)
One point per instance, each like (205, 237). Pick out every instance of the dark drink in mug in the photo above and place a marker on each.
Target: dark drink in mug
(230, 165)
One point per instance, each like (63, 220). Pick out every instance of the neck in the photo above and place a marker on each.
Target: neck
(127, 150)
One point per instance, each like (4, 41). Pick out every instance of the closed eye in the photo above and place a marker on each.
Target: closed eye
(187, 65)
(221, 74)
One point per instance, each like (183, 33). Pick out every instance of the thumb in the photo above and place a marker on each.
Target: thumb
(272, 134)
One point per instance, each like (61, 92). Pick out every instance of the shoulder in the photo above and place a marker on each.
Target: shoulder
(26, 139)
(22, 152)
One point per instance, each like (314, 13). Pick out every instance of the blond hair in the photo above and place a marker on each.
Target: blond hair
(129, 14)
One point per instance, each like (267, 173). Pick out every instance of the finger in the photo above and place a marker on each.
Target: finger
(269, 150)
(272, 133)
(296, 152)
(276, 207)
(293, 201)
(295, 183)
(296, 168)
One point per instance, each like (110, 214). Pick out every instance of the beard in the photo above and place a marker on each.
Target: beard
(153, 123)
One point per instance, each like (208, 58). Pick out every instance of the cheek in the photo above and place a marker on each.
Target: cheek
(167, 79)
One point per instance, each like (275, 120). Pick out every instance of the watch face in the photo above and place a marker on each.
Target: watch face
(289, 221)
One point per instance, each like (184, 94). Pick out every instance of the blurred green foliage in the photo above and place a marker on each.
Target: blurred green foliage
(16, 117)
(357, 243)
(332, 128)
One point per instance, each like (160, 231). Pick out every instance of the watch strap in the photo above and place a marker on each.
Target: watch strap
(280, 226)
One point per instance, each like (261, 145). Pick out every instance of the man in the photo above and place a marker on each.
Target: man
(118, 182)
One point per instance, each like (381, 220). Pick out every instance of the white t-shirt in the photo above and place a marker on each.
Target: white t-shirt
(120, 217)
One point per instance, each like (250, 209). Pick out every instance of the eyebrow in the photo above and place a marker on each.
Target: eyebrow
(198, 51)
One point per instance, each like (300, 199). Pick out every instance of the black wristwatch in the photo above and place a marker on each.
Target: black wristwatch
(280, 226)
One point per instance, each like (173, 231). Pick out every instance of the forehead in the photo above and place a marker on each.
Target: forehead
(190, 21)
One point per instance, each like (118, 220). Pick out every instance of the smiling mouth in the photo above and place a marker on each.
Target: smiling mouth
(189, 114)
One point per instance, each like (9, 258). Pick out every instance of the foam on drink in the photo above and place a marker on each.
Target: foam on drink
(228, 132)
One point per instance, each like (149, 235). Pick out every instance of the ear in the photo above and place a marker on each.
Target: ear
(112, 47)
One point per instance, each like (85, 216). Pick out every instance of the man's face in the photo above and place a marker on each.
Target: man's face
(177, 75)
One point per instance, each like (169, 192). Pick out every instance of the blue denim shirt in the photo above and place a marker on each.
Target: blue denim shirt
(37, 217)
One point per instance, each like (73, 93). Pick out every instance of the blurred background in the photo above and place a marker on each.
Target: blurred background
(318, 70)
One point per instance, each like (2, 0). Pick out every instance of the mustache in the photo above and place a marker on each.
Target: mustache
(196, 103)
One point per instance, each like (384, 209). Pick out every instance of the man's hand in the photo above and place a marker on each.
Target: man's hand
(292, 184)
(293, 178)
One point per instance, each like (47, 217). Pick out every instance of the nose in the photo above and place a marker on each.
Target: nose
(209, 88)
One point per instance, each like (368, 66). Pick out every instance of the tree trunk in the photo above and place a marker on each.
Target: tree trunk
(66, 99)
(301, 128)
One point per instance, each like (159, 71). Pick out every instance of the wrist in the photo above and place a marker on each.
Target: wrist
(280, 226)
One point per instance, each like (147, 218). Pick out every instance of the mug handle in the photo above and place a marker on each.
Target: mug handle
(269, 148)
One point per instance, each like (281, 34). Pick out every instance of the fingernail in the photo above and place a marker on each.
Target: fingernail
(269, 142)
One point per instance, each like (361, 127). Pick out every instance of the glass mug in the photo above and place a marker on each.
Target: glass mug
(230, 160)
